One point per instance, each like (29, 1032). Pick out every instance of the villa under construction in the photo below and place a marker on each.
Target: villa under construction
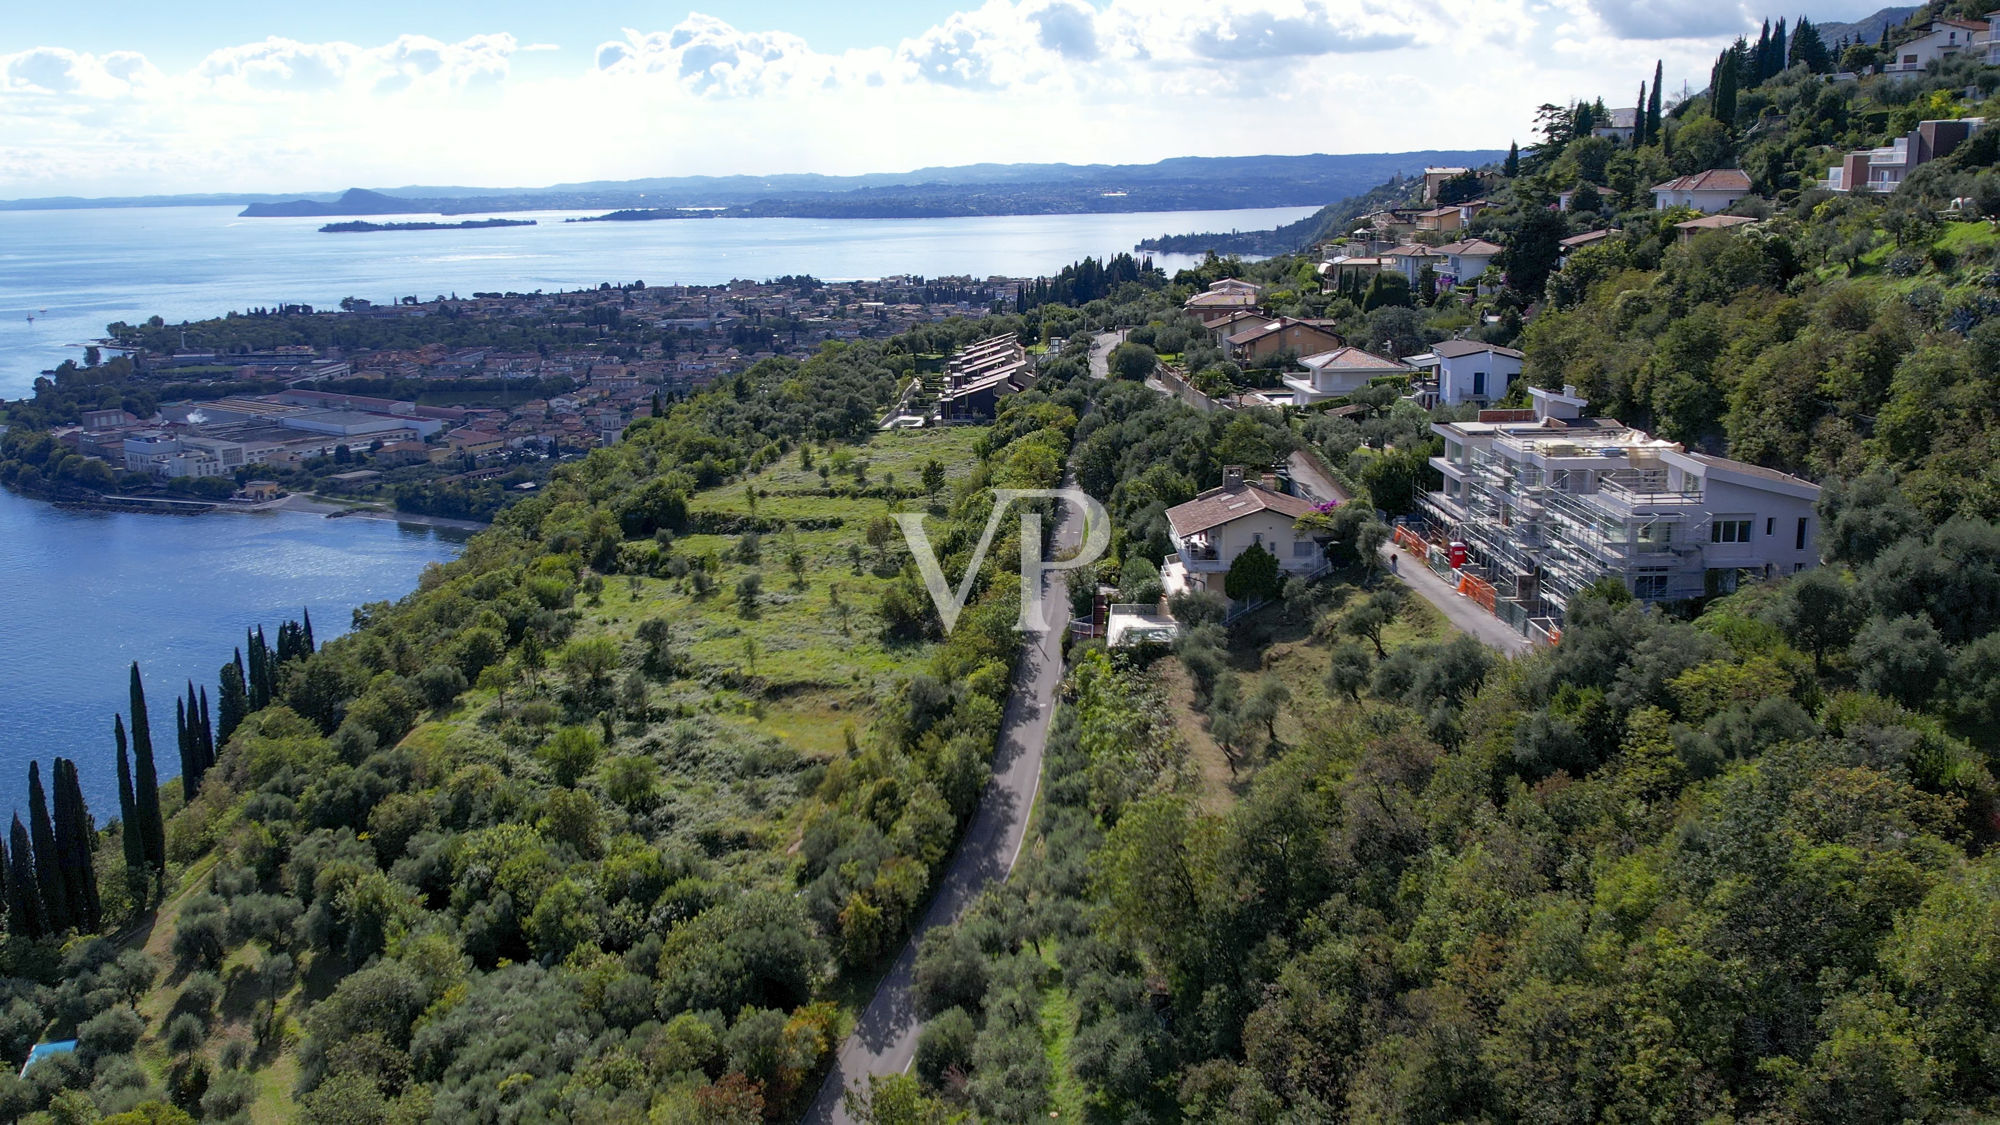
(1538, 504)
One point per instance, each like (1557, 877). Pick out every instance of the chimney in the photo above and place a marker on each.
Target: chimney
(1271, 481)
(1232, 475)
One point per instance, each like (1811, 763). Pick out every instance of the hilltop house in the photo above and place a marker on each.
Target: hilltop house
(1708, 192)
(1210, 531)
(1222, 298)
(1299, 337)
(1462, 371)
(1241, 320)
(1338, 373)
(1883, 169)
(1410, 260)
(1465, 261)
(1434, 178)
(1622, 124)
(1946, 37)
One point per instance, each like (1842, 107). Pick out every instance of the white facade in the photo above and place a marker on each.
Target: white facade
(1211, 531)
(1339, 373)
(1946, 37)
(1466, 371)
(1547, 507)
(1717, 189)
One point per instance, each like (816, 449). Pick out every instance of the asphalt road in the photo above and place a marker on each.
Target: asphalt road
(1466, 616)
(884, 1040)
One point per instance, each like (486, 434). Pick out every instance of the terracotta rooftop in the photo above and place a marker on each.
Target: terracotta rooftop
(1350, 359)
(1715, 179)
(1218, 506)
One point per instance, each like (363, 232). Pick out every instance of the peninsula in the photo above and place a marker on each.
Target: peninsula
(360, 227)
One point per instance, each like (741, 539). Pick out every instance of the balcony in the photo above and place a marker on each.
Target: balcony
(1198, 555)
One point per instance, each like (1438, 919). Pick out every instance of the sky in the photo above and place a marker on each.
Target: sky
(132, 97)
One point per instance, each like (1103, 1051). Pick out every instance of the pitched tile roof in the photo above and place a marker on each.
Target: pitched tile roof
(1477, 247)
(1452, 349)
(1352, 359)
(1715, 179)
(1218, 506)
(1714, 222)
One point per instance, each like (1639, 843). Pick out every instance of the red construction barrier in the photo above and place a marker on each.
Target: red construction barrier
(1479, 590)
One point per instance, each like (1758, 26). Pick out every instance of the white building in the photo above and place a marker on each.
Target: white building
(1717, 189)
(1466, 260)
(1946, 37)
(1410, 260)
(1462, 371)
(1545, 502)
(1622, 124)
(1340, 372)
(1210, 531)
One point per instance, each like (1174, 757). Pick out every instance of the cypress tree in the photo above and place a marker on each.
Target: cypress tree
(307, 631)
(260, 657)
(235, 699)
(1780, 52)
(48, 864)
(1639, 118)
(1653, 103)
(184, 742)
(76, 840)
(128, 810)
(207, 732)
(1723, 100)
(1512, 167)
(146, 782)
(24, 897)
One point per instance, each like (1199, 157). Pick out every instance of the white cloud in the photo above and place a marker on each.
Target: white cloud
(279, 65)
(1111, 81)
(57, 70)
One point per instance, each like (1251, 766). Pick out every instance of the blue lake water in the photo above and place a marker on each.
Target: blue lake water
(87, 593)
(77, 271)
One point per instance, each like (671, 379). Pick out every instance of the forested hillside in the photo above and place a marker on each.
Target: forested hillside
(610, 817)
(1728, 861)
(620, 816)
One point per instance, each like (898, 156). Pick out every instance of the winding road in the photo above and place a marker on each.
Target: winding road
(884, 1040)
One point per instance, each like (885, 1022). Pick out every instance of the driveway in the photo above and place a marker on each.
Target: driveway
(1100, 353)
(884, 1041)
(1460, 610)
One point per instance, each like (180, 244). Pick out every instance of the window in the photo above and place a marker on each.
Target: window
(1479, 382)
(1800, 542)
(1304, 549)
(1649, 585)
(1770, 525)
(1729, 531)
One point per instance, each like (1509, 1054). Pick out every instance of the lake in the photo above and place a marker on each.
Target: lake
(77, 271)
(90, 592)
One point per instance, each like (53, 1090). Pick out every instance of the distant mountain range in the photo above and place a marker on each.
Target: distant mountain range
(1182, 183)
(1867, 29)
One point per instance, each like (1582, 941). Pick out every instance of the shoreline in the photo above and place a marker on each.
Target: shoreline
(300, 503)
(306, 503)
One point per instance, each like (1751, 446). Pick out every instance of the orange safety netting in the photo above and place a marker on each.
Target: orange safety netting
(1410, 541)
(1478, 589)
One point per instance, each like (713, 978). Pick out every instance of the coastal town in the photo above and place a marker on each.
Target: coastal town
(426, 424)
